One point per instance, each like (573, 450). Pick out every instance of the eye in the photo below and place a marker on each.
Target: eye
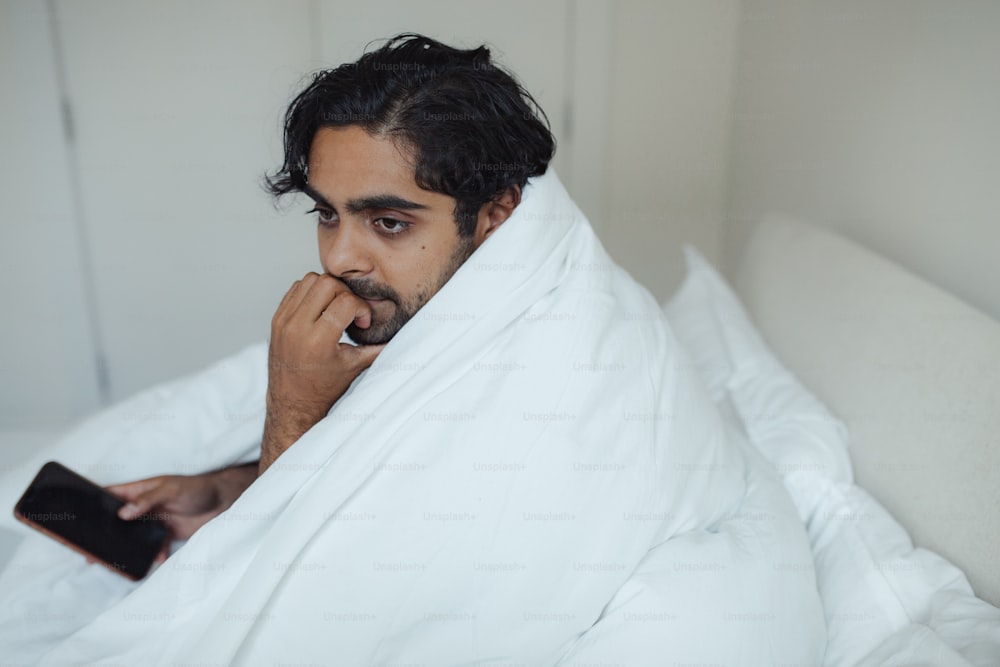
(391, 226)
(324, 215)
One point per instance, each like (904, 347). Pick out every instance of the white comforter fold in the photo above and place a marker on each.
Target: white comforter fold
(481, 494)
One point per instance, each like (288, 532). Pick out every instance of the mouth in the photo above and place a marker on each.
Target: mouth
(374, 294)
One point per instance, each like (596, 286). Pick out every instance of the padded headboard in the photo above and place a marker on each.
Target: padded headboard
(912, 370)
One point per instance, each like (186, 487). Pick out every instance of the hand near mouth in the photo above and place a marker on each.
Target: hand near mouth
(309, 369)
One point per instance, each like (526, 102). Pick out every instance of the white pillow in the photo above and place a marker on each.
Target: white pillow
(693, 320)
(874, 585)
(793, 428)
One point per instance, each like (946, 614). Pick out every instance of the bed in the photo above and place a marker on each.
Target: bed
(843, 350)
(913, 371)
(868, 390)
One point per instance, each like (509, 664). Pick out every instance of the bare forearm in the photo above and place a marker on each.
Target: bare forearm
(309, 369)
(282, 427)
(233, 481)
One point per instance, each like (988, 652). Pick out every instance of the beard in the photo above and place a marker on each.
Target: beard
(384, 327)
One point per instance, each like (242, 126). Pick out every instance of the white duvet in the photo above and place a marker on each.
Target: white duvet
(531, 473)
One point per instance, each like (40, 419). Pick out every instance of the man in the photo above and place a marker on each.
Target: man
(407, 183)
(512, 464)
(396, 217)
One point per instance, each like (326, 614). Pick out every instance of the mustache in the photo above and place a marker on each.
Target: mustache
(368, 289)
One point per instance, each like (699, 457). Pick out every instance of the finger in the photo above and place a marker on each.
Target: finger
(323, 292)
(306, 285)
(130, 490)
(143, 503)
(291, 294)
(293, 297)
(347, 308)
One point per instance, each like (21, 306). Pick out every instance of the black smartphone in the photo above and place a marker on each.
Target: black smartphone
(84, 516)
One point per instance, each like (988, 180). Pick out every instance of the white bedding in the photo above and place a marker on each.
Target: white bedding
(531, 473)
(885, 602)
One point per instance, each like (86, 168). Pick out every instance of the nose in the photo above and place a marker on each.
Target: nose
(344, 251)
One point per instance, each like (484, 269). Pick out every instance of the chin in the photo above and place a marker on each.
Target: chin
(373, 335)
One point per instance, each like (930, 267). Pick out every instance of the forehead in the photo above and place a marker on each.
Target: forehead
(348, 163)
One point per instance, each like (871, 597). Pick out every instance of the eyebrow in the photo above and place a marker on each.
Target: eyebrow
(368, 203)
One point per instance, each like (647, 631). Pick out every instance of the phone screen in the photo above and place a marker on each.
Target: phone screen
(80, 513)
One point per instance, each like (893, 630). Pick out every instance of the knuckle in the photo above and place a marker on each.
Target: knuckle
(295, 328)
(327, 283)
(282, 315)
(348, 301)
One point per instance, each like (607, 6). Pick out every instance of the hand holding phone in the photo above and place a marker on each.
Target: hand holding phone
(185, 502)
(84, 516)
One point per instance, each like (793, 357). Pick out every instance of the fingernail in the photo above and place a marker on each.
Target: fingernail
(127, 510)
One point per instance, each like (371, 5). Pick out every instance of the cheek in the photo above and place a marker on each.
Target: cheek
(422, 283)
(325, 245)
(414, 269)
(413, 278)
(405, 271)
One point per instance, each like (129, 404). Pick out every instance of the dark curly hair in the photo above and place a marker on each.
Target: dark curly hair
(473, 129)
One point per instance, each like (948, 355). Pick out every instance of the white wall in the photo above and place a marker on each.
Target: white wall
(668, 147)
(47, 361)
(175, 109)
(878, 119)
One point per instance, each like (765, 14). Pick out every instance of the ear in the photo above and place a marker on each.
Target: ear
(493, 213)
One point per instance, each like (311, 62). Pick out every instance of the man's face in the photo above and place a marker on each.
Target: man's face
(393, 243)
